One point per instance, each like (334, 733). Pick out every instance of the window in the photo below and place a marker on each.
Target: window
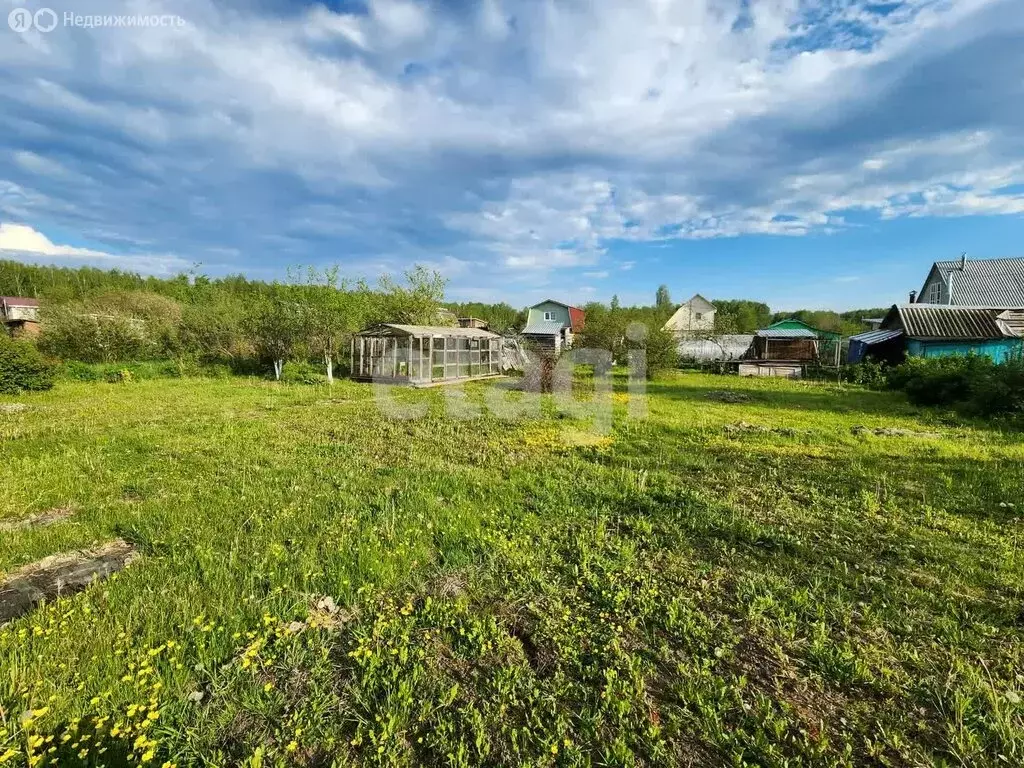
(698, 315)
(934, 295)
(549, 315)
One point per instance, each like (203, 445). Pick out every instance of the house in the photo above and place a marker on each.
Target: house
(20, 315)
(974, 283)
(695, 315)
(551, 325)
(937, 330)
(425, 355)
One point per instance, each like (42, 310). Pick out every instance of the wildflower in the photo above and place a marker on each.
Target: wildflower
(292, 746)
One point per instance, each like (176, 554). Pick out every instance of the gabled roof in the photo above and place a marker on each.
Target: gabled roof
(699, 303)
(938, 322)
(577, 317)
(983, 282)
(553, 301)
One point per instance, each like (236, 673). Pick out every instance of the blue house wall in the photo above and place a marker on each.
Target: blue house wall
(999, 350)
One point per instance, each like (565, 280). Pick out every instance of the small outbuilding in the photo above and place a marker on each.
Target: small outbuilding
(19, 315)
(425, 355)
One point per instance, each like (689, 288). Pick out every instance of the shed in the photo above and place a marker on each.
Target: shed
(877, 346)
(423, 355)
(786, 344)
(19, 315)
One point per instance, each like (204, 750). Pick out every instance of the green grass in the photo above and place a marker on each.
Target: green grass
(681, 592)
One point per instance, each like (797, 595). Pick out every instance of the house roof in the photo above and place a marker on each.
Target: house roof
(543, 328)
(18, 301)
(787, 333)
(983, 282)
(396, 329)
(554, 301)
(697, 300)
(943, 321)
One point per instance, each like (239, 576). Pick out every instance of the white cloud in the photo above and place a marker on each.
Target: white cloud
(24, 241)
(526, 137)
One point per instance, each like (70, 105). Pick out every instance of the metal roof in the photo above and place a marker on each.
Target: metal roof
(544, 328)
(875, 337)
(787, 333)
(983, 282)
(427, 330)
(941, 321)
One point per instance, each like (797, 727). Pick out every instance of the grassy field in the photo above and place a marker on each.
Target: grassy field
(720, 583)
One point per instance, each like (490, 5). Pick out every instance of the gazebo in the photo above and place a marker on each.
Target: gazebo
(424, 355)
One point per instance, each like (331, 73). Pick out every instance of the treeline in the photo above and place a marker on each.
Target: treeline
(98, 316)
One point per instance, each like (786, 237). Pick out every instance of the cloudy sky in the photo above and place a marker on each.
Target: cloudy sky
(803, 153)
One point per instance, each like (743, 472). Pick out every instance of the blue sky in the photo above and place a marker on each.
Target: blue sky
(806, 154)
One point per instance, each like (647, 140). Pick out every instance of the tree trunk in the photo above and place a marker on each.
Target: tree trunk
(278, 368)
(329, 362)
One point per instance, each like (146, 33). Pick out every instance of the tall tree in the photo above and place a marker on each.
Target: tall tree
(662, 300)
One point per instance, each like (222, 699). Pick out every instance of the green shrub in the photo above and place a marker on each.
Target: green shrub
(941, 380)
(23, 368)
(868, 374)
(972, 383)
(303, 373)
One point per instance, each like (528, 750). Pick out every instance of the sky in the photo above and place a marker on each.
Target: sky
(807, 154)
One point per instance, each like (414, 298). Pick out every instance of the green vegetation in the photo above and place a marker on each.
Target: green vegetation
(22, 368)
(974, 384)
(759, 573)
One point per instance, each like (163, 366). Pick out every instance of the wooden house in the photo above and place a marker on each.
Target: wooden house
(551, 325)
(425, 355)
(935, 330)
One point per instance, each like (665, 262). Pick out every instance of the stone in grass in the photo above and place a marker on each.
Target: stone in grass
(38, 520)
(728, 396)
(59, 576)
(9, 408)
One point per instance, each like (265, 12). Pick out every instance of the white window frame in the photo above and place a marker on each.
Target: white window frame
(934, 293)
(549, 315)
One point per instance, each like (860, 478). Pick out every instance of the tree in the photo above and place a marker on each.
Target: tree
(615, 302)
(418, 302)
(662, 300)
(331, 313)
(276, 325)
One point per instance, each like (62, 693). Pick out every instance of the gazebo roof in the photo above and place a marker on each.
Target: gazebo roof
(397, 329)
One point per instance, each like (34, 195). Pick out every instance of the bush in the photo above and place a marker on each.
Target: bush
(973, 383)
(303, 373)
(23, 368)
(868, 374)
(941, 380)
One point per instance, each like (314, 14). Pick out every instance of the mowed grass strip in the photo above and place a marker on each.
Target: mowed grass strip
(721, 583)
